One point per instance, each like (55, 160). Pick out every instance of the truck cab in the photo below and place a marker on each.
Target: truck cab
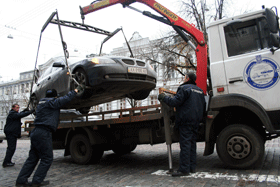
(244, 66)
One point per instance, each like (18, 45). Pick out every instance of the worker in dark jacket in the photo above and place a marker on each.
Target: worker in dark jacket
(12, 131)
(190, 106)
(46, 122)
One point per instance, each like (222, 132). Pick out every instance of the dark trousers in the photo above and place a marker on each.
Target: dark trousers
(12, 144)
(188, 135)
(41, 149)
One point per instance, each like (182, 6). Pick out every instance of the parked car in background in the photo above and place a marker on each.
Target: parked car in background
(105, 78)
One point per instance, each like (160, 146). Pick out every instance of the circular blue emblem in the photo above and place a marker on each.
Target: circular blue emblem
(261, 73)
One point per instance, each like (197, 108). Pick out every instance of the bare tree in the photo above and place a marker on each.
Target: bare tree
(195, 12)
(10, 98)
(170, 52)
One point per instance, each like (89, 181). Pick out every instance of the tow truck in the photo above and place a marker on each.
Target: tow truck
(242, 102)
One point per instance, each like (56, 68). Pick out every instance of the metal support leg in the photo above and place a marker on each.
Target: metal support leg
(169, 151)
(166, 118)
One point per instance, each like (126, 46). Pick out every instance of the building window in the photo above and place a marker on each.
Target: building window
(27, 88)
(122, 104)
(2, 111)
(22, 88)
(95, 108)
(108, 106)
(138, 103)
(15, 90)
(154, 100)
(7, 90)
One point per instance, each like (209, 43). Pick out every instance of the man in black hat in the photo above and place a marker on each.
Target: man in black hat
(12, 131)
(46, 122)
(190, 106)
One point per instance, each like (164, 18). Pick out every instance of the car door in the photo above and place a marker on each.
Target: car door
(42, 84)
(251, 68)
(60, 78)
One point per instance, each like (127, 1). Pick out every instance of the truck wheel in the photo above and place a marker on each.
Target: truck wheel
(1, 141)
(122, 149)
(240, 146)
(80, 149)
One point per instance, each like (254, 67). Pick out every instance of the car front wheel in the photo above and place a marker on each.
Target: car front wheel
(81, 77)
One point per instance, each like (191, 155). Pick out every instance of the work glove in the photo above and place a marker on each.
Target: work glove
(80, 88)
(32, 111)
(161, 96)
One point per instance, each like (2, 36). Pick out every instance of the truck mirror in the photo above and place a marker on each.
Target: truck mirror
(271, 20)
(275, 40)
(57, 64)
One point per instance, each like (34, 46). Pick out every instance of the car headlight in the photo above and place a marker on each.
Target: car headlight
(95, 60)
(102, 61)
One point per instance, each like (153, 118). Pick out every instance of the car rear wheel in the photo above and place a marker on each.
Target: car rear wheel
(140, 95)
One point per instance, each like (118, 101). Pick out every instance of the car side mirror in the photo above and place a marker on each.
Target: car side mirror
(57, 65)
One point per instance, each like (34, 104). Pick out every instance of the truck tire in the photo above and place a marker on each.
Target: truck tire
(240, 146)
(80, 149)
(122, 149)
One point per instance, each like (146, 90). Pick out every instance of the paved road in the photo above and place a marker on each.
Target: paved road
(147, 166)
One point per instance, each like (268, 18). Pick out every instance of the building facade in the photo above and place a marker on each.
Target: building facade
(15, 92)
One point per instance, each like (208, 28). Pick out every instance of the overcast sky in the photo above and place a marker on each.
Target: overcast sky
(23, 19)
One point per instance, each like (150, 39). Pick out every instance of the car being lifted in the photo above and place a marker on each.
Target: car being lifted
(105, 78)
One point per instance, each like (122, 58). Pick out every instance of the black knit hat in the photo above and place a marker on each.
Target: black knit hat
(192, 76)
(51, 93)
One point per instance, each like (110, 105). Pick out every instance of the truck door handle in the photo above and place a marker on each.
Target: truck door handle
(49, 78)
(233, 81)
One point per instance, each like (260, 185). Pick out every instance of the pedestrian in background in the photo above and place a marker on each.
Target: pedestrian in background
(12, 131)
(46, 122)
(190, 107)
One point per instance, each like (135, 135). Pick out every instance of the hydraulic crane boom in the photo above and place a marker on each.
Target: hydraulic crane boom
(178, 24)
